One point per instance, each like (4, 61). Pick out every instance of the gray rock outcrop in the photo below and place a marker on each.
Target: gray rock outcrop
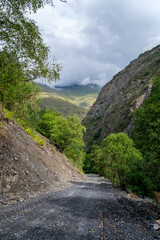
(123, 94)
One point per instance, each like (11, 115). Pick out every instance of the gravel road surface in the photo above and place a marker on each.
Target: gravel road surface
(88, 210)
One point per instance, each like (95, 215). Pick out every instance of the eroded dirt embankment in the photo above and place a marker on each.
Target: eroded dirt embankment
(27, 168)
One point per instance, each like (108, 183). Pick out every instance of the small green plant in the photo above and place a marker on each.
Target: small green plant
(40, 140)
(1, 125)
(35, 136)
(29, 132)
(32, 133)
(21, 122)
(7, 114)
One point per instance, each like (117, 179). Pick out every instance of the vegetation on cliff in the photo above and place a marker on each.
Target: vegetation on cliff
(118, 160)
(133, 165)
(146, 133)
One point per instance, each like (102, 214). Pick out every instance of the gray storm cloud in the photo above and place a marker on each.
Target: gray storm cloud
(95, 39)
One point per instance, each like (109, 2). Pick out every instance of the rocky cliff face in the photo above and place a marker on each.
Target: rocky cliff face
(123, 94)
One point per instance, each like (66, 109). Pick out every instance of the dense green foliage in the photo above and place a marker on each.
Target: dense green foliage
(23, 57)
(118, 154)
(146, 133)
(118, 160)
(20, 36)
(92, 162)
(66, 133)
(17, 95)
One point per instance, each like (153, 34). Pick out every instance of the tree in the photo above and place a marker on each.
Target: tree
(19, 35)
(118, 160)
(146, 133)
(118, 155)
(23, 54)
(74, 149)
(66, 133)
(46, 122)
(17, 96)
(92, 162)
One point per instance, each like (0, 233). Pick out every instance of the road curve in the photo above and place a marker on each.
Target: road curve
(92, 209)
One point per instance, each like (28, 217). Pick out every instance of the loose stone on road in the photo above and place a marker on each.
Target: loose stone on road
(91, 209)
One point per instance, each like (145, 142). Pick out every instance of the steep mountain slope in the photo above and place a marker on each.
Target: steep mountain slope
(26, 167)
(79, 90)
(125, 92)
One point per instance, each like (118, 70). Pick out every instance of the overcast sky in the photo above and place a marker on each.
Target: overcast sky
(95, 39)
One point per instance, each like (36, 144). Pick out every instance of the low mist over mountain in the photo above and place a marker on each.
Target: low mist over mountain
(79, 90)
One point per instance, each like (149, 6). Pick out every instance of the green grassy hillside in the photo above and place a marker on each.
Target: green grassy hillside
(60, 105)
(70, 100)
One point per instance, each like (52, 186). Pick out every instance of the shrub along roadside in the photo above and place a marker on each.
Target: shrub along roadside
(66, 133)
(118, 160)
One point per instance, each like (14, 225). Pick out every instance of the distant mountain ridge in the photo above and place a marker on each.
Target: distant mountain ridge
(80, 90)
(71, 90)
(123, 94)
(70, 100)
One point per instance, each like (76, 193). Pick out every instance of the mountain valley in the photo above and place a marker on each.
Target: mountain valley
(70, 100)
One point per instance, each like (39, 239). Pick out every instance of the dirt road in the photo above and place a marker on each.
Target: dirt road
(92, 209)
